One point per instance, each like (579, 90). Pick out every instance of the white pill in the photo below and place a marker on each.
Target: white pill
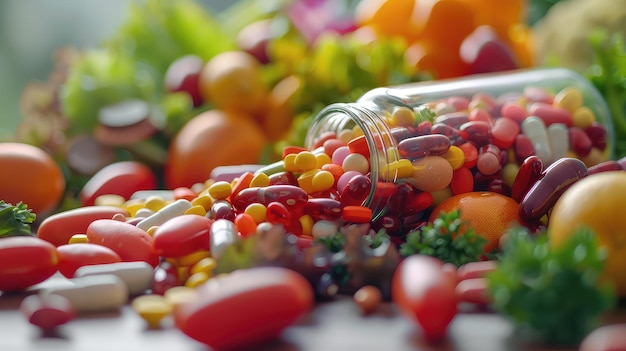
(94, 293)
(534, 128)
(559, 141)
(223, 234)
(324, 228)
(144, 212)
(169, 211)
(137, 275)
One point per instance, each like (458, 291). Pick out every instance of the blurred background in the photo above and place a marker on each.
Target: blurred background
(31, 31)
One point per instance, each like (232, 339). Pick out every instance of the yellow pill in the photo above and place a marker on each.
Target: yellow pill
(391, 154)
(155, 203)
(402, 168)
(179, 294)
(509, 172)
(152, 308)
(583, 117)
(152, 229)
(183, 274)
(322, 159)
(258, 212)
(260, 180)
(132, 206)
(569, 98)
(305, 180)
(192, 258)
(109, 200)
(206, 265)
(322, 181)
(402, 116)
(290, 163)
(206, 201)
(305, 161)
(220, 190)
(346, 135)
(78, 239)
(196, 210)
(196, 279)
(306, 221)
(455, 157)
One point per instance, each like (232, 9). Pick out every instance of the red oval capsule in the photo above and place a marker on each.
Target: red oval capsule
(423, 145)
(503, 132)
(529, 172)
(477, 132)
(557, 178)
(579, 141)
(323, 208)
(289, 195)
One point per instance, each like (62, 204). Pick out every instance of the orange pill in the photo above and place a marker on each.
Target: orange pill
(356, 214)
(368, 298)
(242, 182)
(245, 224)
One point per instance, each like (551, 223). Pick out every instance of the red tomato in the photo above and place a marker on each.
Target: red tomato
(182, 235)
(74, 256)
(30, 175)
(425, 291)
(25, 261)
(245, 307)
(119, 178)
(128, 241)
(59, 228)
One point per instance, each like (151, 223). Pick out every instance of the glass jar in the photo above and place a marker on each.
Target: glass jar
(502, 117)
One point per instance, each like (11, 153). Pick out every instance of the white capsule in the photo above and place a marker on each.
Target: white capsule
(534, 128)
(137, 275)
(324, 228)
(559, 141)
(93, 293)
(223, 234)
(169, 211)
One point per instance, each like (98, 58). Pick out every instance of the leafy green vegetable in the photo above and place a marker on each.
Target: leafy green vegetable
(554, 292)
(15, 220)
(334, 243)
(441, 239)
(608, 74)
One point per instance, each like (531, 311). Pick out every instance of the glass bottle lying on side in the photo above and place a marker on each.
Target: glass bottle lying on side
(464, 134)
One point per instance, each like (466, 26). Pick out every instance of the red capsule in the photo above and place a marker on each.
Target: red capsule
(550, 114)
(423, 145)
(452, 133)
(390, 223)
(471, 155)
(165, 277)
(222, 209)
(462, 181)
(605, 166)
(523, 148)
(476, 132)
(503, 132)
(597, 134)
(453, 119)
(282, 178)
(289, 195)
(398, 201)
(579, 141)
(355, 192)
(323, 208)
(557, 178)
(529, 172)
(418, 202)
(278, 213)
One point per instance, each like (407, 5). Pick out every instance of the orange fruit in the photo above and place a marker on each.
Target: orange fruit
(387, 17)
(30, 175)
(232, 80)
(489, 213)
(212, 138)
(596, 202)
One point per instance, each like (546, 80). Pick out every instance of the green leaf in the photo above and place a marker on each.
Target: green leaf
(15, 220)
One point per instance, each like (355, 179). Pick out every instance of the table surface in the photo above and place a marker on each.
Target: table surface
(334, 325)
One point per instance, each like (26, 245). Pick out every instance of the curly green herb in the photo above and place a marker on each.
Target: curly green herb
(15, 220)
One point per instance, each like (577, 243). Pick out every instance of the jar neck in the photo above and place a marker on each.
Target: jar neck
(370, 119)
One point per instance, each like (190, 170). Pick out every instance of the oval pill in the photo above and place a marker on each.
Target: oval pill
(136, 275)
(93, 293)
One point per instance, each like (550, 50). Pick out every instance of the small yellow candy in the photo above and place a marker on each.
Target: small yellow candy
(206, 265)
(569, 98)
(305, 161)
(322, 159)
(322, 181)
(220, 190)
(258, 212)
(403, 116)
(78, 239)
(307, 224)
(155, 203)
(402, 168)
(455, 157)
(583, 117)
(206, 201)
(179, 294)
(152, 308)
(305, 180)
(132, 206)
(196, 210)
(196, 279)
(260, 180)
(289, 162)
(152, 229)
(192, 258)
(110, 200)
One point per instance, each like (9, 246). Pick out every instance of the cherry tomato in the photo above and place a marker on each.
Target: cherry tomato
(30, 175)
(245, 307)
(26, 261)
(425, 291)
(119, 178)
(59, 228)
(74, 256)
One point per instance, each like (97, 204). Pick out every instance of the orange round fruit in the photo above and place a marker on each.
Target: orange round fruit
(30, 175)
(596, 202)
(212, 138)
(489, 213)
(232, 80)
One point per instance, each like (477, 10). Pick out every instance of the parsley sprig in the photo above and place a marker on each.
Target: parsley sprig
(15, 220)
(553, 292)
(448, 238)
